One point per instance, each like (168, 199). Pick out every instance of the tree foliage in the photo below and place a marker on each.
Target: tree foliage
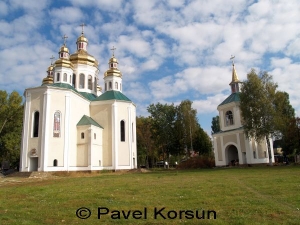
(215, 125)
(11, 120)
(265, 111)
(174, 130)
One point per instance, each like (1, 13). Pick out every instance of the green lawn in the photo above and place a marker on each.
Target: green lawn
(254, 195)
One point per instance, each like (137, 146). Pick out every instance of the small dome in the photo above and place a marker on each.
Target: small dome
(82, 39)
(64, 49)
(48, 80)
(113, 60)
(50, 68)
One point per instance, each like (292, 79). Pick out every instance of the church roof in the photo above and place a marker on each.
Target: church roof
(234, 97)
(86, 120)
(112, 95)
(88, 96)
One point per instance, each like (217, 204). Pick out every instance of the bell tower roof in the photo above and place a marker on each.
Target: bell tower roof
(235, 82)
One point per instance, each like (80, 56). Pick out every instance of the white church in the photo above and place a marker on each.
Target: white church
(70, 125)
(231, 145)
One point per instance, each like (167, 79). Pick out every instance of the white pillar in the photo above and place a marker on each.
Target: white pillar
(115, 136)
(66, 131)
(45, 132)
(26, 134)
(129, 136)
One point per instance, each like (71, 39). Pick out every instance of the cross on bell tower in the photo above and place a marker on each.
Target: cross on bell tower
(235, 82)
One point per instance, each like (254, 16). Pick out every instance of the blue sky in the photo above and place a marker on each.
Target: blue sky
(168, 51)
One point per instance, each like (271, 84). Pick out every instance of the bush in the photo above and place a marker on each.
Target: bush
(202, 161)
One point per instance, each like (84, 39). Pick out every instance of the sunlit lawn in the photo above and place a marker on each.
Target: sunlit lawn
(256, 195)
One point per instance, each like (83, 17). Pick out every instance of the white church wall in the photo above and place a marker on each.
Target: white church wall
(96, 147)
(101, 112)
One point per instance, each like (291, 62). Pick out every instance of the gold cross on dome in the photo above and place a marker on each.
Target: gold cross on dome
(52, 57)
(113, 50)
(65, 38)
(82, 26)
(231, 58)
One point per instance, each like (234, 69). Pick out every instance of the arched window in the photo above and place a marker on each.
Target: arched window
(95, 84)
(110, 85)
(90, 83)
(82, 135)
(57, 76)
(65, 77)
(105, 86)
(56, 124)
(122, 129)
(74, 81)
(229, 118)
(81, 81)
(94, 135)
(70, 79)
(120, 87)
(36, 119)
(116, 85)
(55, 162)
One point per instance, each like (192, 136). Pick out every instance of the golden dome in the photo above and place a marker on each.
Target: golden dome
(64, 49)
(50, 68)
(63, 63)
(48, 80)
(82, 39)
(82, 57)
(113, 60)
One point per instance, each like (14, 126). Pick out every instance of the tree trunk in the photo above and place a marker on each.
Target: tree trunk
(269, 151)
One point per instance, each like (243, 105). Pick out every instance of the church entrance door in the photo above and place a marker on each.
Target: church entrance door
(34, 163)
(232, 155)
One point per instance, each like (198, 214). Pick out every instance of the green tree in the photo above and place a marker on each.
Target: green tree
(187, 124)
(202, 143)
(215, 125)
(257, 107)
(11, 121)
(163, 118)
(146, 150)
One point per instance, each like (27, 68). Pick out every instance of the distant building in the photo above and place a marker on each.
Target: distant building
(70, 125)
(231, 146)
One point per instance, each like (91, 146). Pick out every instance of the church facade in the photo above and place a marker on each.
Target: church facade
(231, 145)
(70, 125)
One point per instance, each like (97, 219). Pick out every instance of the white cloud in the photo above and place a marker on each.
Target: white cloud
(3, 9)
(67, 15)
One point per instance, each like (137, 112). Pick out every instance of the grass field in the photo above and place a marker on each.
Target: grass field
(256, 195)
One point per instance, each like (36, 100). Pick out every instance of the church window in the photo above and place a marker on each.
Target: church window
(95, 84)
(56, 125)
(122, 126)
(65, 77)
(116, 85)
(55, 162)
(105, 87)
(81, 81)
(57, 76)
(110, 85)
(254, 154)
(70, 79)
(120, 87)
(90, 83)
(94, 135)
(36, 118)
(111, 65)
(74, 81)
(82, 135)
(229, 118)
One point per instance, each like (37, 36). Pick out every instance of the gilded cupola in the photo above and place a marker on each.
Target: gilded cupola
(235, 82)
(82, 56)
(49, 78)
(64, 56)
(113, 68)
